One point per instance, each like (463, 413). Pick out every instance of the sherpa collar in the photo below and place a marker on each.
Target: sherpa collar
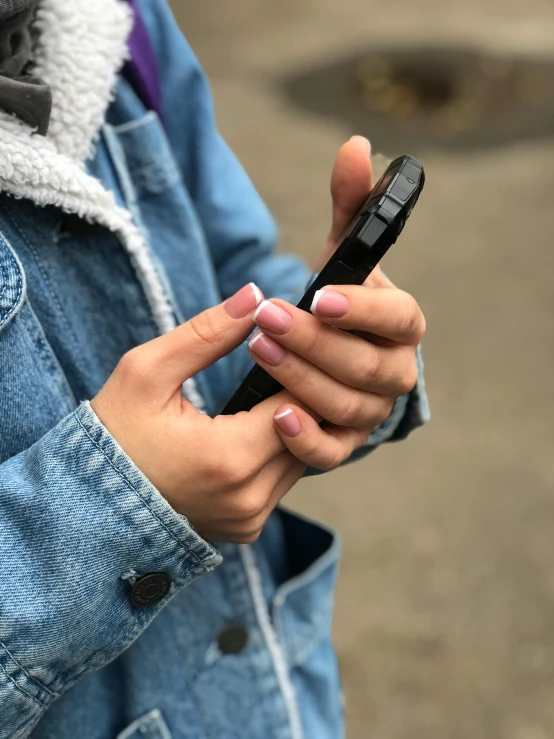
(83, 45)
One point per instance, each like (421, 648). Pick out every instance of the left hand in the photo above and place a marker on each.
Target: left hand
(348, 381)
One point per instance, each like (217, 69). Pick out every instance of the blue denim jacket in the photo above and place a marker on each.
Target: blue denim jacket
(240, 647)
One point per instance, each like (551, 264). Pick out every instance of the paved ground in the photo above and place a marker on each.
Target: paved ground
(445, 609)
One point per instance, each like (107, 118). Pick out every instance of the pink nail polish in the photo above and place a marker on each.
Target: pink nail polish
(267, 349)
(288, 422)
(330, 304)
(273, 318)
(244, 301)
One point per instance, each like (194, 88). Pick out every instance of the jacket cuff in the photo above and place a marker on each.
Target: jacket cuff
(93, 525)
(145, 504)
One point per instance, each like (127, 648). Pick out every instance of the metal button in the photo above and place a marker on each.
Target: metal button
(150, 589)
(232, 639)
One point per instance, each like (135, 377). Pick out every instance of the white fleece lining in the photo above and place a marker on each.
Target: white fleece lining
(274, 648)
(83, 46)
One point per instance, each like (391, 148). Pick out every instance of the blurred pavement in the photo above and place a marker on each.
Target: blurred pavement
(445, 606)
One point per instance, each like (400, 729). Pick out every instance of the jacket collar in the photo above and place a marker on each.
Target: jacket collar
(83, 46)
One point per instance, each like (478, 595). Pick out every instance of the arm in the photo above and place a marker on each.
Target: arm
(78, 521)
(240, 231)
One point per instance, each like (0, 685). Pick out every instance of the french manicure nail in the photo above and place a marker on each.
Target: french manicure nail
(273, 318)
(330, 304)
(244, 301)
(267, 349)
(288, 422)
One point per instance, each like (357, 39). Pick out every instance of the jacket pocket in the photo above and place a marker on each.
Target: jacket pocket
(34, 391)
(147, 152)
(149, 726)
(12, 284)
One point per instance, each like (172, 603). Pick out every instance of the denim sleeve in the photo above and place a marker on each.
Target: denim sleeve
(240, 231)
(78, 523)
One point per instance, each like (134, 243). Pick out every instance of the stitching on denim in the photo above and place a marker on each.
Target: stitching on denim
(39, 337)
(48, 284)
(145, 120)
(20, 689)
(19, 292)
(24, 671)
(139, 496)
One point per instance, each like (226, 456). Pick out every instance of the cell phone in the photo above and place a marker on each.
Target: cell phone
(374, 229)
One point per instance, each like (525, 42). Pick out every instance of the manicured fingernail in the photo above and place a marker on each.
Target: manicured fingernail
(242, 303)
(267, 349)
(365, 141)
(330, 304)
(288, 422)
(273, 318)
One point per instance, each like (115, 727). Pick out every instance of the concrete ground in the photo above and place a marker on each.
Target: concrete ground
(445, 607)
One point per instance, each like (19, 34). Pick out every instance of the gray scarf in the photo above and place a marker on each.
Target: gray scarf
(21, 94)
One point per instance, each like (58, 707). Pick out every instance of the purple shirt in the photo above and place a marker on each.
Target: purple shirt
(141, 70)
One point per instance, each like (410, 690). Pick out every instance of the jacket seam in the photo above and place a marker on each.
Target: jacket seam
(20, 689)
(17, 302)
(48, 283)
(139, 496)
(27, 675)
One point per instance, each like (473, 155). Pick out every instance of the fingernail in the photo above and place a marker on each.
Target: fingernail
(273, 318)
(366, 142)
(330, 304)
(267, 349)
(244, 301)
(288, 422)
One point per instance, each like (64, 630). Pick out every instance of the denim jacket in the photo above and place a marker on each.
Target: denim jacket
(114, 228)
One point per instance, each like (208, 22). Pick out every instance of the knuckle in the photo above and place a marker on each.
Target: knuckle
(331, 460)
(372, 368)
(207, 327)
(410, 315)
(347, 413)
(135, 366)
(315, 339)
(231, 473)
(249, 506)
(409, 378)
(384, 411)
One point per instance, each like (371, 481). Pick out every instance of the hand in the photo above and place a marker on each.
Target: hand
(226, 474)
(346, 380)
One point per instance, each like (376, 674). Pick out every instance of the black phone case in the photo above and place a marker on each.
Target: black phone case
(373, 231)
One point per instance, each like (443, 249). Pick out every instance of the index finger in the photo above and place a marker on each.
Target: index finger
(257, 428)
(387, 312)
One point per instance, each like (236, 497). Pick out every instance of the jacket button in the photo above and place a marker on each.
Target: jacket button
(150, 589)
(232, 639)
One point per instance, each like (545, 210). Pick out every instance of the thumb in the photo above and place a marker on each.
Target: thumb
(351, 182)
(205, 338)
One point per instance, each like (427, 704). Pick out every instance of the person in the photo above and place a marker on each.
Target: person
(150, 583)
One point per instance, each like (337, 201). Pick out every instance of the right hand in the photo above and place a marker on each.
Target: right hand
(225, 474)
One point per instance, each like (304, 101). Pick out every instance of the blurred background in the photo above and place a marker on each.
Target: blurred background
(445, 607)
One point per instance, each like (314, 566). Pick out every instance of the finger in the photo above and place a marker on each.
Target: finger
(350, 359)
(350, 183)
(251, 435)
(323, 448)
(263, 495)
(392, 314)
(201, 341)
(324, 395)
